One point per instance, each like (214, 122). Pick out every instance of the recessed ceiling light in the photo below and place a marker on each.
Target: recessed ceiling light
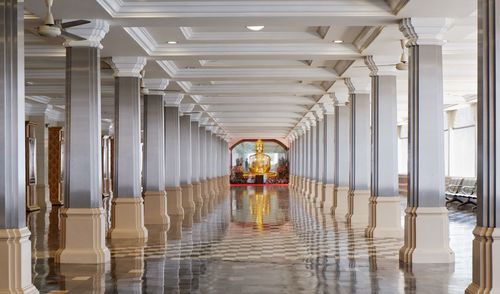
(172, 42)
(338, 41)
(255, 28)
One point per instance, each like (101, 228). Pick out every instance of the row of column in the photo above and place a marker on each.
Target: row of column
(364, 150)
(185, 165)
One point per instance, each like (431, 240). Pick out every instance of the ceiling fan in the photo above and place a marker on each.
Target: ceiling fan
(55, 28)
(403, 61)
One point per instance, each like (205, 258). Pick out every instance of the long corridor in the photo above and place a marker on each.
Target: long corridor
(255, 240)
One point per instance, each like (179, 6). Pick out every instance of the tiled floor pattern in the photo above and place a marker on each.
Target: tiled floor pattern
(257, 240)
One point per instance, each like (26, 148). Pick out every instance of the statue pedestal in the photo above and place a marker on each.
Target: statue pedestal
(259, 179)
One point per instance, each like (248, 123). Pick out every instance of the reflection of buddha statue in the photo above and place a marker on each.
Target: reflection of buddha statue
(260, 163)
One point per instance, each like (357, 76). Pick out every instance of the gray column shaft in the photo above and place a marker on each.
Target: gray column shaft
(172, 147)
(127, 138)
(210, 155)
(203, 154)
(488, 110)
(195, 151)
(83, 128)
(425, 132)
(384, 175)
(307, 168)
(342, 145)
(314, 152)
(154, 143)
(185, 137)
(359, 173)
(329, 149)
(304, 155)
(320, 144)
(12, 176)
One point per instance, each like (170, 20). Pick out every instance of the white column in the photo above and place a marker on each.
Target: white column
(15, 246)
(359, 166)
(313, 157)
(172, 155)
(155, 197)
(205, 192)
(426, 221)
(185, 164)
(328, 156)
(127, 211)
(385, 210)
(307, 153)
(319, 168)
(195, 161)
(486, 243)
(342, 155)
(83, 218)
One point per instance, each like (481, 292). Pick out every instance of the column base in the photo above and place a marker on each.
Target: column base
(215, 187)
(485, 261)
(187, 221)
(197, 198)
(82, 236)
(174, 201)
(187, 197)
(298, 186)
(43, 196)
(307, 188)
(426, 236)
(175, 231)
(328, 194)
(384, 218)
(320, 197)
(155, 208)
(303, 185)
(211, 189)
(358, 207)
(127, 218)
(15, 261)
(206, 198)
(341, 201)
(312, 190)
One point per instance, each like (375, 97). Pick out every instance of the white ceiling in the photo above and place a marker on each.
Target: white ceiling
(253, 84)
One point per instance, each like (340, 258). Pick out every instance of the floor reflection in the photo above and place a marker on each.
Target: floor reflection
(256, 240)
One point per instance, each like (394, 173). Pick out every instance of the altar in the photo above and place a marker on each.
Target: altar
(252, 164)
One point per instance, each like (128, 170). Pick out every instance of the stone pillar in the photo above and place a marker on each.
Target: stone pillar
(303, 153)
(40, 117)
(486, 243)
(359, 163)
(15, 246)
(426, 220)
(313, 159)
(172, 155)
(127, 210)
(319, 169)
(186, 162)
(210, 165)
(155, 197)
(328, 156)
(205, 192)
(307, 150)
(215, 160)
(291, 164)
(83, 218)
(385, 211)
(342, 155)
(195, 162)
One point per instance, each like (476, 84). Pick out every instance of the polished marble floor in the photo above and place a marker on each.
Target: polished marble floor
(255, 240)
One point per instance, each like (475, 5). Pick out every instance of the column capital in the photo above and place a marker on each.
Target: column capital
(173, 99)
(184, 108)
(204, 121)
(154, 86)
(318, 113)
(311, 118)
(424, 30)
(93, 33)
(196, 117)
(127, 66)
(358, 85)
(328, 108)
(378, 66)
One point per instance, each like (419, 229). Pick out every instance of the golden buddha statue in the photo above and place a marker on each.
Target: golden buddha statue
(260, 163)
